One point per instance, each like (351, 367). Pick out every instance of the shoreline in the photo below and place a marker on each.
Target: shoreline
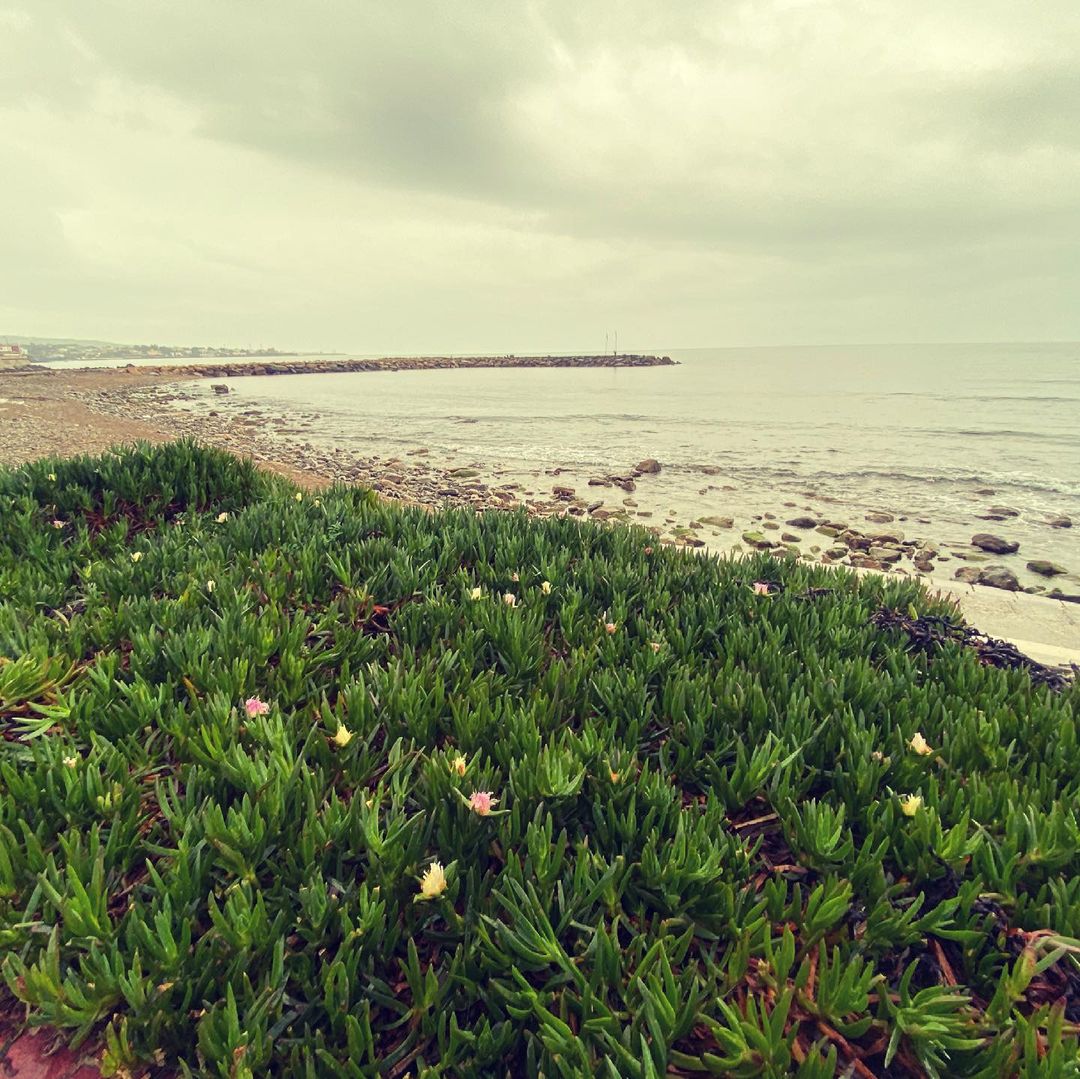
(69, 411)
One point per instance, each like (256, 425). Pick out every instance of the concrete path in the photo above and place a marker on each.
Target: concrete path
(1047, 630)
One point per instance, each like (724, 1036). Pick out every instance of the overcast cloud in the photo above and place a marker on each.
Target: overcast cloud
(454, 176)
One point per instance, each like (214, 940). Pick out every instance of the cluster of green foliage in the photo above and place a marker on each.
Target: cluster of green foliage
(701, 856)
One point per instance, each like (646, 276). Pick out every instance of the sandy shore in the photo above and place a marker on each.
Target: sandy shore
(56, 412)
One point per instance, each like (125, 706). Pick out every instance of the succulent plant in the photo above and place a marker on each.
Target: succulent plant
(347, 812)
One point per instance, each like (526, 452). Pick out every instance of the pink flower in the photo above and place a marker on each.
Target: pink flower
(481, 802)
(761, 588)
(648, 550)
(610, 627)
(254, 707)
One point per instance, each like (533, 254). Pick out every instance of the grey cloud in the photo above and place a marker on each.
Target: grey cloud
(642, 147)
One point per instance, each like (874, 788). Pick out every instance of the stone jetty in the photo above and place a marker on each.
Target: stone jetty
(335, 366)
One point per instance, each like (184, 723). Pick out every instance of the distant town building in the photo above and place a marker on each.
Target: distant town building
(13, 356)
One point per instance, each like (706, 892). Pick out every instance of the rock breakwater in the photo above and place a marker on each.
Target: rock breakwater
(233, 369)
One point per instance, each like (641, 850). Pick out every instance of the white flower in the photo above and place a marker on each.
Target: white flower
(136, 556)
(920, 745)
(433, 882)
(545, 587)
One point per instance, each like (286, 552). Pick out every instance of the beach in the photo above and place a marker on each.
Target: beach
(294, 425)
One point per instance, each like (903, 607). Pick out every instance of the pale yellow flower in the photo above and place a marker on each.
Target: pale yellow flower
(222, 518)
(458, 765)
(299, 496)
(654, 645)
(545, 587)
(433, 882)
(210, 586)
(920, 745)
(342, 736)
(52, 477)
(58, 524)
(910, 804)
(71, 762)
(476, 593)
(515, 578)
(136, 556)
(509, 599)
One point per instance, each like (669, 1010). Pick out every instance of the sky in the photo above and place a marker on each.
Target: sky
(450, 177)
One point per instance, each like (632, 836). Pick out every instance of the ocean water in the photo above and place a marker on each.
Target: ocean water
(915, 430)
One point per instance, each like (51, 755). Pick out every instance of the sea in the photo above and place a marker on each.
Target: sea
(919, 431)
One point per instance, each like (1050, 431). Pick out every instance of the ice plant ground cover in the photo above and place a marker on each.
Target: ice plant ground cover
(299, 792)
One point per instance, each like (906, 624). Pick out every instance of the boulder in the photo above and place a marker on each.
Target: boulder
(563, 493)
(880, 518)
(985, 541)
(650, 466)
(756, 539)
(772, 525)
(718, 522)
(625, 482)
(790, 537)
(1004, 511)
(968, 574)
(827, 530)
(1056, 593)
(887, 535)
(1060, 522)
(999, 577)
(599, 481)
(1044, 568)
(219, 388)
(861, 561)
(884, 554)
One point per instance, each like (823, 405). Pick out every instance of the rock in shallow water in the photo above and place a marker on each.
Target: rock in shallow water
(995, 544)
(756, 539)
(999, 577)
(1044, 568)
